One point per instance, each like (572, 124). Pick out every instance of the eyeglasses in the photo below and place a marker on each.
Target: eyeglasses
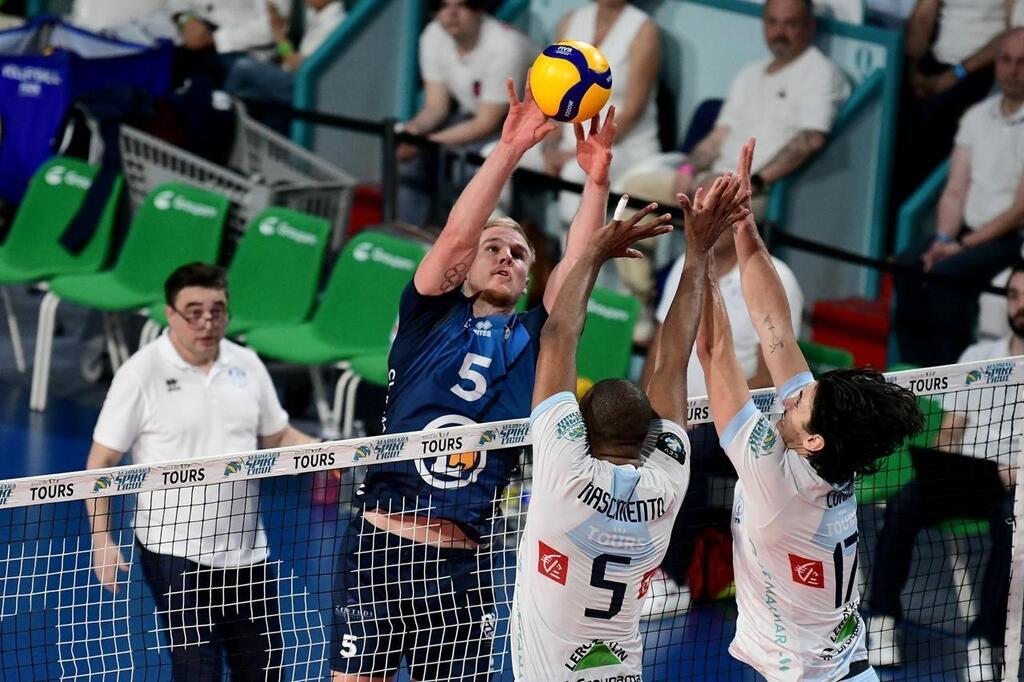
(195, 319)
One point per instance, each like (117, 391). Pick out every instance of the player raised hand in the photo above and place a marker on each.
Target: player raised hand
(614, 240)
(107, 561)
(525, 125)
(594, 149)
(743, 171)
(711, 213)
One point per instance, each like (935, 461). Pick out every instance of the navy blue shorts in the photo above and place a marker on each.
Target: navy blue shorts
(396, 599)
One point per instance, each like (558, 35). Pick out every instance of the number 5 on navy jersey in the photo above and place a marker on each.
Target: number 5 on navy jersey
(467, 373)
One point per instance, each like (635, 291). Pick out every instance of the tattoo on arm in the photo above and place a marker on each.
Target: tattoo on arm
(454, 277)
(776, 340)
(793, 155)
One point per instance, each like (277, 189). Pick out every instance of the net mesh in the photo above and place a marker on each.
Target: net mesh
(234, 561)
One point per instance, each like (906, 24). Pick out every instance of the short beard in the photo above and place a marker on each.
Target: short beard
(1018, 326)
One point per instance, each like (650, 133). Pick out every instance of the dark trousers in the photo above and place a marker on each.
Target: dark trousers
(935, 321)
(927, 127)
(210, 612)
(707, 459)
(917, 506)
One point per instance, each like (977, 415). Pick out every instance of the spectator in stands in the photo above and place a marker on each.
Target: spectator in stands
(203, 552)
(950, 46)
(141, 21)
(984, 424)
(466, 56)
(252, 78)
(669, 596)
(788, 102)
(215, 34)
(629, 39)
(980, 218)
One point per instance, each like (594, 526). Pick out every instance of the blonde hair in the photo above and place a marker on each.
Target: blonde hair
(512, 225)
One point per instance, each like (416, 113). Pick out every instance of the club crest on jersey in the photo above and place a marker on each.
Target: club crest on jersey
(552, 563)
(571, 427)
(809, 572)
(762, 438)
(596, 655)
(456, 469)
(672, 445)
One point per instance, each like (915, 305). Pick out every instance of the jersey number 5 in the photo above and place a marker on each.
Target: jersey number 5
(597, 579)
(467, 373)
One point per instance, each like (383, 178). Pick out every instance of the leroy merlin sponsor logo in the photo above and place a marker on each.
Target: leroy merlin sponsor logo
(596, 655)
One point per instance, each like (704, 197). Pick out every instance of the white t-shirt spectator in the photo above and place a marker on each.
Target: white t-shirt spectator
(97, 15)
(996, 144)
(164, 409)
(242, 25)
(478, 76)
(995, 415)
(744, 335)
(965, 26)
(320, 24)
(774, 107)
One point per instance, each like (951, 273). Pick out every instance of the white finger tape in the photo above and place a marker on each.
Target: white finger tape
(620, 210)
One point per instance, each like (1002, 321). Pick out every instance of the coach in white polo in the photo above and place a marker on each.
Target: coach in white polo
(202, 548)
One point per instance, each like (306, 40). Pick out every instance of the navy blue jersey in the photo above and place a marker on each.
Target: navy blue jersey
(449, 368)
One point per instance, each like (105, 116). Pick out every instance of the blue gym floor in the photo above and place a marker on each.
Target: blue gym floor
(62, 626)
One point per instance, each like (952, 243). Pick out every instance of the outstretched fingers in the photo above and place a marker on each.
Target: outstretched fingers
(510, 87)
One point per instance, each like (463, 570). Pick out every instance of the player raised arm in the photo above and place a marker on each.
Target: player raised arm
(556, 364)
(445, 267)
(727, 386)
(594, 156)
(764, 294)
(707, 216)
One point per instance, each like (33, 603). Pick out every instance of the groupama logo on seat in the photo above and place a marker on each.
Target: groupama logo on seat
(56, 175)
(168, 199)
(272, 225)
(367, 251)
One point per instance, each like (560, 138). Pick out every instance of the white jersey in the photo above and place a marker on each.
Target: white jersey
(794, 557)
(595, 533)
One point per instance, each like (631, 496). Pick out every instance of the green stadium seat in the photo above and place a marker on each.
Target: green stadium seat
(607, 342)
(286, 243)
(176, 224)
(355, 317)
(821, 358)
(32, 251)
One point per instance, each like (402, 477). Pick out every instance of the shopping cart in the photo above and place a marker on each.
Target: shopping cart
(267, 169)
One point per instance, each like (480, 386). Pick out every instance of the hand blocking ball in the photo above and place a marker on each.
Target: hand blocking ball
(571, 81)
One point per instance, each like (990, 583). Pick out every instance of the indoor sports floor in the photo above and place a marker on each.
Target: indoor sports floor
(76, 625)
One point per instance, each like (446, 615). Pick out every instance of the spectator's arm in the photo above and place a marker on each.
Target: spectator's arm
(1010, 220)
(985, 55)
(954, 194)
(707, 150)
(252, 30)
(436, 107)
(487, 119)
(644, 63)
(920, 29)
(108, 559)
(287, 437)
(794, 154)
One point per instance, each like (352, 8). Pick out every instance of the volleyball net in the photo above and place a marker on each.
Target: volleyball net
(263, 564)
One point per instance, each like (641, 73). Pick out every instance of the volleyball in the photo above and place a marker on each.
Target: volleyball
(571, 81)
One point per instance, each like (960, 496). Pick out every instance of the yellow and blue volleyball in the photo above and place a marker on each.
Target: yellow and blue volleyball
(571, 81)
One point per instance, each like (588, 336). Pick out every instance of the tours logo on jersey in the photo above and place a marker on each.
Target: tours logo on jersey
(132, 479)
(571, 427)
(809, 572)
(260, 464)
(596, 654)
(6, 490)
(763, 438)
(672, 445)
(552, 564)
